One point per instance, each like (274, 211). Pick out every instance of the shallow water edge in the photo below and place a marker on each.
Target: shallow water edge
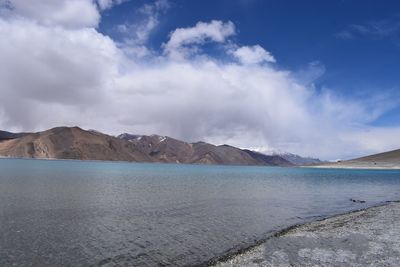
(231, 255)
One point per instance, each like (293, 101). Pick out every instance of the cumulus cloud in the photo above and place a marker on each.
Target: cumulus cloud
(67, 13)
(183, 41)
(256, 106)
(53, 74)
(46, 66)
(252, 55)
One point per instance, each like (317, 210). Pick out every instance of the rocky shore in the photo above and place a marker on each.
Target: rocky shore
(368, 237)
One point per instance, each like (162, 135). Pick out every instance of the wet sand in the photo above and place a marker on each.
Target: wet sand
(369, 237)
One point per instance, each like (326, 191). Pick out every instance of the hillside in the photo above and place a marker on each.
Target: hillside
(385, 160)
(390, 156)
(167, 149)
(76, 143)
(71, 143)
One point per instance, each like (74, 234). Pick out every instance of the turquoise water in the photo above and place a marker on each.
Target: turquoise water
(78, 213)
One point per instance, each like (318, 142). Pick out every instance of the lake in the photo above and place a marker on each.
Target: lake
(81, 213)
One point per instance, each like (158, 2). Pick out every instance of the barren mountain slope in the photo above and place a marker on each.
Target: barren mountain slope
(71, 143)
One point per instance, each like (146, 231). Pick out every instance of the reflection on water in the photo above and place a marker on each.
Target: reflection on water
(78, 213)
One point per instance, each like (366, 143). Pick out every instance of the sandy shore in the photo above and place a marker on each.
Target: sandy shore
(357, 167)
(369, 237)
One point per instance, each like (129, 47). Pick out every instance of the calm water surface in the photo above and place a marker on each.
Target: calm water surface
(76, 213)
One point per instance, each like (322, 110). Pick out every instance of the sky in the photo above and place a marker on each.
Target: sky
(315, 78)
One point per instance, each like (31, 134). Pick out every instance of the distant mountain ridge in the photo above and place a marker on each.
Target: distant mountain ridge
(4, 135)
(296, 159)
(76, 143)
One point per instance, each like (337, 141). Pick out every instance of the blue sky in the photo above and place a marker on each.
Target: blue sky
(316, 78)
(357, 62)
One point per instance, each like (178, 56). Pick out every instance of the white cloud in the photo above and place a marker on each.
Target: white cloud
(252, 55)
(137, 34)
(183, 41)
(53, 75)
(66, 13)
(372, 139)
(246, 106)
(156, 7)
(45, 66)
(107, 4)
(388, 28)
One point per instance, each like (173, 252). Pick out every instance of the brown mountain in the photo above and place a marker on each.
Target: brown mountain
(167, 149)
(71, 143)
(75, 143)
(385, 160)
(385, 157)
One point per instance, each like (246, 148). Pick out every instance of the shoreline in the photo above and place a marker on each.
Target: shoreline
(350, 167)
(145, 162)
(229, 259)
(347, 167)
(357, 164)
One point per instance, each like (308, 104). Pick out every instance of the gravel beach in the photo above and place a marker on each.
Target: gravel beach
(369, 237)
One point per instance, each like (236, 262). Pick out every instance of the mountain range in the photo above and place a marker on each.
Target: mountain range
(76, 143)
(296, 159)
(4, 135)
